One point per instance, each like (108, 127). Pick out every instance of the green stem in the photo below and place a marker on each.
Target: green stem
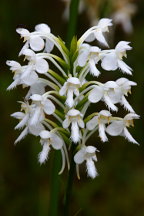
(55, 185)
(72, 20)
(69, 183)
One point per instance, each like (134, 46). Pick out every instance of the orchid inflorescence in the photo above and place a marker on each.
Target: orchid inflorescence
(61, 92)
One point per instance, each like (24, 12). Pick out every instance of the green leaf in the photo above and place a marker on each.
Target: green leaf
(63, 46)
(82, 102)
(58, 77)
(61, 62)
(73, 46)
(59, 114)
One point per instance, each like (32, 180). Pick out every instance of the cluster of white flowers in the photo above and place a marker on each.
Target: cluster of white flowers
(61, 89)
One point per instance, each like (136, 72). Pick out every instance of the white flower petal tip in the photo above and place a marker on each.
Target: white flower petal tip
(43, 155)
(44, 28)
(91, 169)
(45, 134)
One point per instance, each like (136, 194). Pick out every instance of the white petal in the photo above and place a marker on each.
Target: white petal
(36, 43)
(66, 123)
(23, 122)
(102, 134)
(92, 123)
(43, 28)
(63, 89)
(99, 36)
(18, 115)
(115, 128)
(70, 100)
(43, 155)
(26, 46)
(49, 107)
(36, 116)
(14, 65)
(45, 134)
(104, 22)
(73, 112)
(109, 102)
(126, 105)
(124, 67)
(26, 71)
(123, 46)
(41, 66)
(109, 62)
(36, 97)
(110, 84)
(96, 94)
(36, 129)
(76, 92)
(29, 53)
(93, 69)
(22, 135)
(90, 149)
(79, 156)
(57, 142)
(90, 38)
(13, 84)
(23, 32)
(91, 169)
(131, 116)
(75, 133)
(49, 45)
(30, 78)
(73, 80)
(82, 58)
(128, 136)
(115, 95)
(81, 123)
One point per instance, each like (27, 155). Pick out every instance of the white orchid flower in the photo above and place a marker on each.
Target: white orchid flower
(44, 29)
(34, 39)
(100, 121)
(39, 64)
(113, 59)
(109, 92)
(99, 30)
(25, 118)
(74, 117)
(19, 77)
(41, 106)
(88, 154)
(125, 86)
(91, 55)
(49, 139)
(70, 88)
(119, 127)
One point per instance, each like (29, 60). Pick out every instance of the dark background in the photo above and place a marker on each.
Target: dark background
(24, 184)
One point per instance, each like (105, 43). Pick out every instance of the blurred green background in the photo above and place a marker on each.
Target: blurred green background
(24, 184)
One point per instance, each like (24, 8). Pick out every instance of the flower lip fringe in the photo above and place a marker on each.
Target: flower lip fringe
(55, 107)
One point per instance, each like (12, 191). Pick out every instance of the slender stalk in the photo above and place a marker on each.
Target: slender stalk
(55, 185)
(72, 20)
(68, 193)
(55, 181)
